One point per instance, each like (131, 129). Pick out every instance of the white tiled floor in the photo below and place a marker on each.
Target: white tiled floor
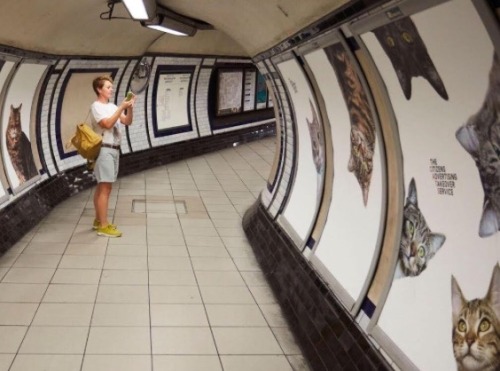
(180, 291)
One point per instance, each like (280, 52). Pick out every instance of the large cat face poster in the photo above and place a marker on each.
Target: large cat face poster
(448, 181)
(303, 202)
(18, 125)
(349, 239)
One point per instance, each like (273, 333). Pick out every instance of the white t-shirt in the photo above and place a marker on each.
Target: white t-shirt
(101, 111)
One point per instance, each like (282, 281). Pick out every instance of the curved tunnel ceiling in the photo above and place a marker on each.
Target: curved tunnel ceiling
(74, 27)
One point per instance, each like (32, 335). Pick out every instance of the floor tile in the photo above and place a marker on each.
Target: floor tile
(11, 337)
(208, 278)
(255, 362)
(29, 275)
(63, 314)
(175, 263)
(120, 315)
(95, 249)
(172, 278)
(54, 340)
(77, 276)
(119, 340)
(36, 261)
(124, 277)
(5, 361)
(209, 252)
(22, 292)
(154, 251)
(117, 363)
(123, 294)
(227, 315)
(127, 250)
(213, 264)
(70, 293)
(226, 295)
(245, 340)
(41, 248)
(125, 262)
(174, 295)
(186, 363)
(182, 340)
(82, 262)
(182, 315)
(45, 362)
(17, 313)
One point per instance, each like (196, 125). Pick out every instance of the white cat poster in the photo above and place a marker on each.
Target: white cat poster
(356, 199)
(17, 121)
(434, 91)
(303, 201)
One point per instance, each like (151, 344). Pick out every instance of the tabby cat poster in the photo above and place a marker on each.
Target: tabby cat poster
(356, 196)
(435, 91)
(6, 68)
(303, 202)
(17, 146)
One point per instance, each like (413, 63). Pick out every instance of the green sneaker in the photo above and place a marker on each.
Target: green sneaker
(97, 224)
(109, 231)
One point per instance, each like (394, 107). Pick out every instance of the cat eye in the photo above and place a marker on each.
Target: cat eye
(390, 41)
(407, 37)
(484, 325)
(410, 228)
(421, 252)
(462, 327)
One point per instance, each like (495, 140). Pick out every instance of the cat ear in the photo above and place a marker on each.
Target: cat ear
(493, 295)
(436, 240)
(489, 223)
(431, 74)
(457, 299)
(412, 193)
(467, 137)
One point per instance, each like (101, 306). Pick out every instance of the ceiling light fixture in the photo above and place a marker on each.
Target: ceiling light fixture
(169, 25)
(141, 9)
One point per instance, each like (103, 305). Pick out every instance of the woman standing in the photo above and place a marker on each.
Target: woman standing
(107, 119)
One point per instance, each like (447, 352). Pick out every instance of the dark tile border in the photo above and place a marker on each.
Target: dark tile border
(24, 213)
(327, 334)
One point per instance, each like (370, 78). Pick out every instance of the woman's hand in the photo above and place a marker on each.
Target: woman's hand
(127, 103)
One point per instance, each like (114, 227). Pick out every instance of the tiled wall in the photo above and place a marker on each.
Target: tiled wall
(26, 211)
(328, 336)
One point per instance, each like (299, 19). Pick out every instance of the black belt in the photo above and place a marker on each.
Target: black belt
(110, 146)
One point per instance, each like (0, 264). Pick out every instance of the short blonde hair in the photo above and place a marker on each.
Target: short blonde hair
(98, 83)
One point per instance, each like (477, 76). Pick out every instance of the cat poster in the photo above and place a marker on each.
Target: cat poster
(5, 70)
(349, 242)
(303, 201)
(444, 195)
(476, 324)
(18, 125)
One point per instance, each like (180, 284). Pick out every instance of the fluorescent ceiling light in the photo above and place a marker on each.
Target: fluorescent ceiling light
(141, 9)
(171, 26)
(161, 28)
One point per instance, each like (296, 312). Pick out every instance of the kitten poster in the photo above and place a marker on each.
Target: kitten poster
(17, 121)
(444, 195)
(303, 201)
(347, 247)
(5, 70)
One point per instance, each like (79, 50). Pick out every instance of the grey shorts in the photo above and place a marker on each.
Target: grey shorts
(106, 165)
